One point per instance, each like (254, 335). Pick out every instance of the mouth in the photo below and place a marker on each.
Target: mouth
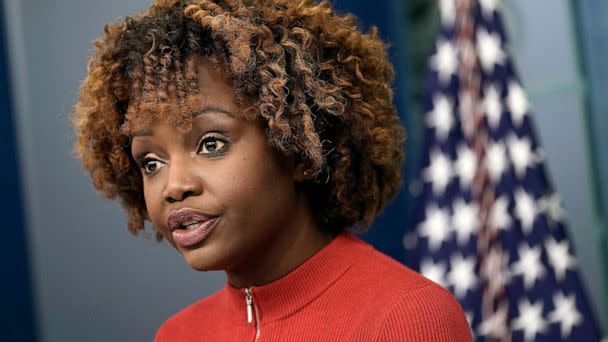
(189, 227)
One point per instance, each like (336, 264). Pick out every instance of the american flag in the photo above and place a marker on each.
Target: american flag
(489, 226)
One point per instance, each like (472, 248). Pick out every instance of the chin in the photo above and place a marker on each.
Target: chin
(200, 261)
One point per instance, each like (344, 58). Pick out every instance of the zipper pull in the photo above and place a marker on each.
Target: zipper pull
(249, 302)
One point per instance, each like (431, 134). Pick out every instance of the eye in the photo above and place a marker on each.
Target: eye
(211, 145)
(151, 166)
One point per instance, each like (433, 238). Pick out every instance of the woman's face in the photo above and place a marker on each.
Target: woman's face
(218, 192)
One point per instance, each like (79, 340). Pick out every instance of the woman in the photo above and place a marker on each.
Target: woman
(253, 134)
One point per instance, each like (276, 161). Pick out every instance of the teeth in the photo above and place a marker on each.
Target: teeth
(190, 225)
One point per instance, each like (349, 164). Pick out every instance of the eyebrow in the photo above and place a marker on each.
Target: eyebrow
(204, 110)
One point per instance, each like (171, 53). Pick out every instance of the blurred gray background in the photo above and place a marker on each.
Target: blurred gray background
(93, 281)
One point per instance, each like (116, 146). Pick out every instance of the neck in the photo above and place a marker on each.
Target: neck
(284, 252)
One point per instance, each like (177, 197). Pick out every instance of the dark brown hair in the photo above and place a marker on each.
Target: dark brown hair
(320, 86)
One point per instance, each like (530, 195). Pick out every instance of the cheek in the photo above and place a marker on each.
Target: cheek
(260, 186)
(152, 198)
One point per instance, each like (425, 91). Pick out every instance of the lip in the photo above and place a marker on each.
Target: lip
(177, 217)
(193, 236)
(187, 237)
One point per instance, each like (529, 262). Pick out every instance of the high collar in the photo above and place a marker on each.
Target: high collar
(299, 287)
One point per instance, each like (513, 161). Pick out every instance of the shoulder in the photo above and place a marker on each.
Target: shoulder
(410, 307)
(427, 313)
(388, 275)
(176, 324)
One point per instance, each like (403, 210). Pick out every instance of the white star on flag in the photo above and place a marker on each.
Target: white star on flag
(525, 210)
(447, 10)
(465, 220)
(499, 214)
(522, 157)
(465, 165)
(441, 117)
(528, 265)
(496, 161)
(489, 50)
(565, 313)
(496, 325)
(492, 106)
(434, 271)
(436, 226)
(559, 258)
(530, 319)
(517, 102)
(488, 7)
(462, 274)
(445, 60)
(439, 172)
(552, 206)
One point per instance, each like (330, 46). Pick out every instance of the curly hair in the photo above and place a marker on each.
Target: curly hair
(320, 86)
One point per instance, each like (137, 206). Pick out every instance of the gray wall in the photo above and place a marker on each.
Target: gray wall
(93, 281)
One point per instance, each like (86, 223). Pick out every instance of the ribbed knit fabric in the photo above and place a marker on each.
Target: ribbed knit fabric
(348, 291)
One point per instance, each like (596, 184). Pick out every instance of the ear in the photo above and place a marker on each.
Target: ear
(301, 170)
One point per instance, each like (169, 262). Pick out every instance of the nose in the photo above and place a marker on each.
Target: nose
(182, 181)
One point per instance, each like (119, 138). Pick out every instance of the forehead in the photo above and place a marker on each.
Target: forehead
(213, 93)
(213, 82)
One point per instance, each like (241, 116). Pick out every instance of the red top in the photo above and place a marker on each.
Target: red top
(348, 291)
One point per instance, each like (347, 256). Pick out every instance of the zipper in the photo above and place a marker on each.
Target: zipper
(251, 311)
